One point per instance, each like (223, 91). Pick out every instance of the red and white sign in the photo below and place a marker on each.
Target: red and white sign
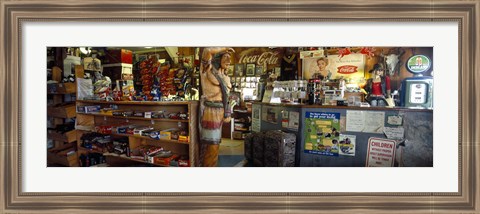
(381, 152)
(348, 66)
(347, 69)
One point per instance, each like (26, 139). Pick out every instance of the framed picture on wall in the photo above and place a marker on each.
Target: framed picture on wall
(230, 70)
(258, 70)
(238, 70)
(277, 71)
(250, 70)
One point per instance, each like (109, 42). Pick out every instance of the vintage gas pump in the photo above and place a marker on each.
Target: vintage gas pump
(417, 91)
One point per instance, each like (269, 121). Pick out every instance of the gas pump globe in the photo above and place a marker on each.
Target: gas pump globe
(417, 91)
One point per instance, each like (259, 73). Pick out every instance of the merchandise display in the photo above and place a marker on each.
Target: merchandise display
(270, 106)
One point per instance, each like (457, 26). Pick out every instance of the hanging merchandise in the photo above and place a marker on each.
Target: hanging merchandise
(181, 79)
(102, 88)
(148, 70)
(289, 65)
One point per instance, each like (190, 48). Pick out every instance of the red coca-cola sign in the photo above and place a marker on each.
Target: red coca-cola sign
(347, 69)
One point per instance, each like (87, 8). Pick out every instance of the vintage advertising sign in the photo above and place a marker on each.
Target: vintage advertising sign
(348, 66)
(259, 56)
(322, 132)
(418, 64)
(311, 54)
(380, 152)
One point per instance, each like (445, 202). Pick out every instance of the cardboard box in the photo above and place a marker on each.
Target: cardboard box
(139, 130)
(88, 109)
(182, 138)
(184, 163)
(148, 114)
(92, 109)
(167, 134)
(164, 160)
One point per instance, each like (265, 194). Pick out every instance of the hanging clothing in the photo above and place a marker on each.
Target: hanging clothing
(289, 67)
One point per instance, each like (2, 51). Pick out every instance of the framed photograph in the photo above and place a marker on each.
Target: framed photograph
(258, 70)
(27, 186)
(250, 70)
(239, 70)
(230, 70)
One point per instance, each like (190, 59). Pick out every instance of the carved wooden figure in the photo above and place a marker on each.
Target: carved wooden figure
(214, 106)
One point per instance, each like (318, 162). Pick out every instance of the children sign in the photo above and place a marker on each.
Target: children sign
(380, 152)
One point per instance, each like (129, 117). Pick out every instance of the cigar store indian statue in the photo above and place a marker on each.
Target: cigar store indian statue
(215, 107)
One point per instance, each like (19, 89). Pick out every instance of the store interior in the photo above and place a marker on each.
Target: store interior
(290, 107)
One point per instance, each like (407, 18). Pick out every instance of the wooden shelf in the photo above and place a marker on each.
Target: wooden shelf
(149, 138)
(66, 111)
(68, 137)
(136, 118)
(62, 88)
(79, 148)
(87, 121)
(142, 137)
(61, 93)
(152, 103)
(132, 159)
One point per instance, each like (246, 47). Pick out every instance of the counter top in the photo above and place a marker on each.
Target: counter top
(291, 105)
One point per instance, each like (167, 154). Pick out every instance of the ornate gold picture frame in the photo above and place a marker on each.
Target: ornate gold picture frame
(14, 13)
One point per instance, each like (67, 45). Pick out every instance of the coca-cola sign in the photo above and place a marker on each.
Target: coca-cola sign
(264, 58)
(259, 56)
(347, 69)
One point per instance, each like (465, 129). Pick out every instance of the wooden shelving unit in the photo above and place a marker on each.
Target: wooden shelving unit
(135, 118)
(59, 110)
(238, 115)
(86, 122)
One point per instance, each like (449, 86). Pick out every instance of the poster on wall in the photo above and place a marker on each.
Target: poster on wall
(269, 114)
(239, 70)
(256, 120)
(365, 121)
(374, 121)
(293, 122)
(310, 67)
(230, 70)
(380, 152)
(250, 71)
(347, 145)
(284, 119)
(322, 133)
(348, 66)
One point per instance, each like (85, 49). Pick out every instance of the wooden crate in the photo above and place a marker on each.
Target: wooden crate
(68, 137)
(59, 155)
(65, 111)
(62, 88)
(70, 160)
